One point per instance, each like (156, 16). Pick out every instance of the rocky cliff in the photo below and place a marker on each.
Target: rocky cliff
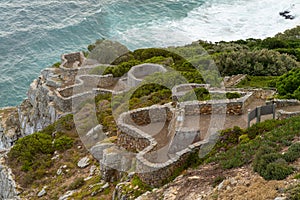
(8, 189)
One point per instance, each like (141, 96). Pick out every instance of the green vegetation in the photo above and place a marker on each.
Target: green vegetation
(104, 113)
(155, 55)
(264, 143)
(269, 57)
(288, 85)
(121, 69)
(56, 65)
(31, 155)
(233, 95)
(270, 62)
(63, 143)
(200, 94)
(262, 62)
(142, 187)
(148, 95)
(258, 82)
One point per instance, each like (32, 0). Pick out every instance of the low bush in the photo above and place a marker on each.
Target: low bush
(288, 85)
(200, 94)
(63, 143)
(293, 153)
(56, 65)
(277, 171)
(30, 157)
(233, 95)
(266, 140)
(121, 69)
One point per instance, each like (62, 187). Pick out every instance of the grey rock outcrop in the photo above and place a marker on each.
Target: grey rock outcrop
(8, 186)
(38, 111)
(9, 127)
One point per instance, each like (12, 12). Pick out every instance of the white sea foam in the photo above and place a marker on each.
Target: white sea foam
(33, 33)
(216, 21)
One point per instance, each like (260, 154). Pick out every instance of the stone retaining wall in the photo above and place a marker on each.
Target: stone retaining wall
(229, 106)
(284, 102)
(85, 89)
(133, 139)
(180, 90)
(156, 174)
(137, 73)
(257, 93)
(72, 59)
(284, 115)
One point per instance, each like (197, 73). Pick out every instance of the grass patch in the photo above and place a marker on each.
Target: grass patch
(77, 183)
(258, 82)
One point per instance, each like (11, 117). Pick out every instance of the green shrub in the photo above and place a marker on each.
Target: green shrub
(258, 82)
(200, 94)
(277, 171)
(26, 149)
(260, 163)
(160, 60)
(121, 69)
(260, 128)
(244, 139)
(147, 89)
(273, 43)
(293, 153)
(262, 62)
(63, 143)
(233, 95)
(56, 65)
(288, 85)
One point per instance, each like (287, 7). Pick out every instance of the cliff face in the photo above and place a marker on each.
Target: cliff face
(8, 186)
(34, 114)
(40, 109)
(37, 112)
(9, 127)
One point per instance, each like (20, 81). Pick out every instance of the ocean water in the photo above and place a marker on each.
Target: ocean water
(34, 33)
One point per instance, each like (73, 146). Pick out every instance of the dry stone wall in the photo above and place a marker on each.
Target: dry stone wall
(284, 115)
(130, 136)
(134, 139)
(280, 103)
(137, 73)
(179, 91)
(229, 106)
(72, 59)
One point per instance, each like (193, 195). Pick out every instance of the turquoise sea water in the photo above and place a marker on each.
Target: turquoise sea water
(34, 33)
